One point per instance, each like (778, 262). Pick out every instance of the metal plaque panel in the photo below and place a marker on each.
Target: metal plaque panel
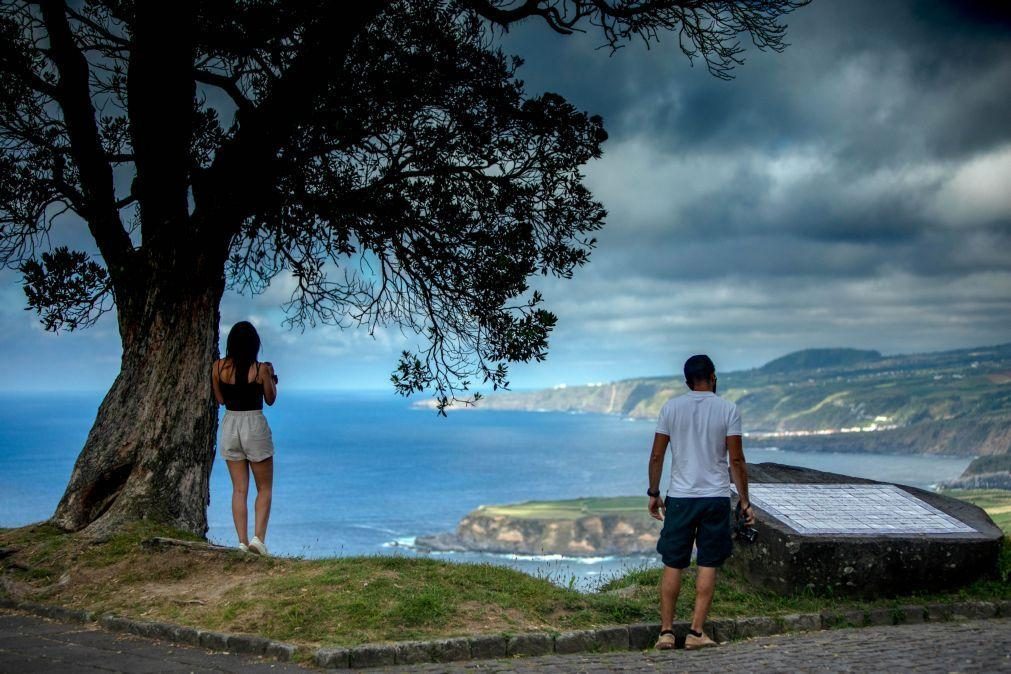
(870, 509)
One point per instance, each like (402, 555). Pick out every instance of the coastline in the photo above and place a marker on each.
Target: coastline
(574, 528)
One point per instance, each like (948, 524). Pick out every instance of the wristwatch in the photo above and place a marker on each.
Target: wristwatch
(655, 493)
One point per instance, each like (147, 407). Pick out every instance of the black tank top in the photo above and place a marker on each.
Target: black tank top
(244, 396)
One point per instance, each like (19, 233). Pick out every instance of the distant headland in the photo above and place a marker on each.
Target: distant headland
(845, 400)
(584, 527)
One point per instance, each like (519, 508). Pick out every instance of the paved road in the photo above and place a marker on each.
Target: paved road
(30, 644)
(979, 646)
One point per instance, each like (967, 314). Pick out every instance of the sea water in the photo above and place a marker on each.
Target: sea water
(366, 473)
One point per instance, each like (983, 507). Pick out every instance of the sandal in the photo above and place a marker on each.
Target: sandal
(696, 640)
(667, 641)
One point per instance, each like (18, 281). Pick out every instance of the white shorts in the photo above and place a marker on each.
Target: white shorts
(245, 436)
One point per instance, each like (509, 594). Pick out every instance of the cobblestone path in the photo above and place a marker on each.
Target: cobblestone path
(976, 646)
(30, 644)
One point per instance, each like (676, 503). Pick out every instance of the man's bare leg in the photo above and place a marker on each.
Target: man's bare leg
(670, 588)
(705, 584)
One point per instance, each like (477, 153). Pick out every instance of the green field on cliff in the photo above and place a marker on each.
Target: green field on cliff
(955, 402)
(571, 509)
(996, 503)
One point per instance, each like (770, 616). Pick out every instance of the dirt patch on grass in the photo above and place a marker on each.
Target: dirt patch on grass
(130, 579)
(475, 617)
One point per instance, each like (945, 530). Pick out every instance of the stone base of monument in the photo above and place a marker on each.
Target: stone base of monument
(835, 534)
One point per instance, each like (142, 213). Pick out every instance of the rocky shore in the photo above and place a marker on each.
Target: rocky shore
(985, 472)
(576, 528)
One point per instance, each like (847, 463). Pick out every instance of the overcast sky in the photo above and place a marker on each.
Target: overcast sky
(854, 190)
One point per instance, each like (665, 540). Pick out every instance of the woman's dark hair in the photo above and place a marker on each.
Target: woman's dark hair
(242, 348)
(699, 369)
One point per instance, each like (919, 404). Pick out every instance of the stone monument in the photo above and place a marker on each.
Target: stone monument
(837, 534)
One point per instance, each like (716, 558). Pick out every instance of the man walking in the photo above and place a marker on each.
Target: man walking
(702, 429)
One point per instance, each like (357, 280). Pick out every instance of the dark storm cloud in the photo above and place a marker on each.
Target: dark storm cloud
(967, 18)
(751, 214)
(937, 63)
(869, 92)
(851, 190)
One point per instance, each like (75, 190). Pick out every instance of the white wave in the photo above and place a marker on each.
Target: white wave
(370, 527)
(555, 558)
(401, 542)
(517, 557)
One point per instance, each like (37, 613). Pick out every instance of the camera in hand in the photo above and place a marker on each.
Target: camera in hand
(742, 530)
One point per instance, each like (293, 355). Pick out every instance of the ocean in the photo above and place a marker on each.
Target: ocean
(365, 473)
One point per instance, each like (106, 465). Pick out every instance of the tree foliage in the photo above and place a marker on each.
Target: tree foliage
(382, 154)
(66, 289)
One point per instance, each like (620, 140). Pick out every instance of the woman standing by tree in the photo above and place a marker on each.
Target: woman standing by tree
(242, 384)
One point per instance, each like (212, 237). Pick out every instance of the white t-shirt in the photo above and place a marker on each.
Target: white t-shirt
(698, 424)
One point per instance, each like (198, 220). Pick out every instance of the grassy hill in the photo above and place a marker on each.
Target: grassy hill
(954, 402)
(346, 601)
(811, 359)
(570, 509)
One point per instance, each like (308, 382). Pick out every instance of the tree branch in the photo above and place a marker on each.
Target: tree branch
(38, 84)
(227, 84)
(74, 97)
(126, 201)
(706, 28)
(506, 17)
(117, 40)
(161, 88)
(243, 171)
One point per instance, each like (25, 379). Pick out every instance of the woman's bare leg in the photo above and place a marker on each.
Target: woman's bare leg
(239, 472)
(263, 473)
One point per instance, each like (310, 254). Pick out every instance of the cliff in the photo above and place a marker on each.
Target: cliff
(985, 472)
(955, 402)
(587, 527)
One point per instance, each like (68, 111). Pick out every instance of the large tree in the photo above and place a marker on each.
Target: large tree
(381, 152)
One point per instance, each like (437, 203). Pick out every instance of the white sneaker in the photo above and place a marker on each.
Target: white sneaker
(243, 547)
(257, 546)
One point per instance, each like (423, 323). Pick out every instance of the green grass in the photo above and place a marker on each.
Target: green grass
(125, 542)
(570, 509)
(735, 596)
(353, 600)
(996, 503)
(361, 599)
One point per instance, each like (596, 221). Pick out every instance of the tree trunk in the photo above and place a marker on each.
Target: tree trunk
(150, 451)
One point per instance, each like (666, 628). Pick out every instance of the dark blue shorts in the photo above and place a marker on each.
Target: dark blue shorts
(704, 522)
